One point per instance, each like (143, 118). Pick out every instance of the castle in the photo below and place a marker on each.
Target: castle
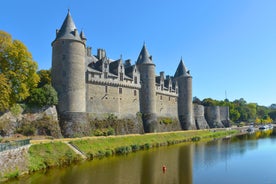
(96, 85)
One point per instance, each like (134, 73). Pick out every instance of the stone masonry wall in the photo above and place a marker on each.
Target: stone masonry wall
(166, 105)
(212, 115)
(200, 120)
(122, 101)
(11, 160)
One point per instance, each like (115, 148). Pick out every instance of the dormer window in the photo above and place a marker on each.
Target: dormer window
(121, 76)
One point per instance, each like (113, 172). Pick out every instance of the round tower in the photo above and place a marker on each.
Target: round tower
(185, 103)
(148, 91)
(68, 78)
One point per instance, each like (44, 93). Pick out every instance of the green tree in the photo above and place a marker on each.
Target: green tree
(209, 102)
(45, 77)
(234, 115)
(262, 111)
(44, 96)
(272, 115)
(18, 67)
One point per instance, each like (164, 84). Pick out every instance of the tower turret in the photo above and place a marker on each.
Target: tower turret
(148, 90)
(68, 69)
(185, 103)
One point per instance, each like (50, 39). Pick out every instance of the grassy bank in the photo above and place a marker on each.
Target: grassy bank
(116, 145)
(53, 154)
(44, 154)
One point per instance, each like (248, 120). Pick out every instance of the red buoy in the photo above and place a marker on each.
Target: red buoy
(164, 168)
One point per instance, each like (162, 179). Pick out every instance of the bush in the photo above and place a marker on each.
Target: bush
(123, 150)
(26, 129)
(195, 139)
(12, 175)
(104, 132)
(16, 109)
(44, 96)
(166, 120)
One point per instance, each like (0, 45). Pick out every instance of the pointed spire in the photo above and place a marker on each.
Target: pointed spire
(68, 29)
(144, 57)
(181, 70)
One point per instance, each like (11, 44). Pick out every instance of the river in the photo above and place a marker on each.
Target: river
(249, 158)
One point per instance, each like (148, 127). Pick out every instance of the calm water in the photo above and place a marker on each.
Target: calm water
(243, 159)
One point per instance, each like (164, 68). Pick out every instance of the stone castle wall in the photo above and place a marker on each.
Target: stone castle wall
(166, 105)
(200, 120)
(215, 116)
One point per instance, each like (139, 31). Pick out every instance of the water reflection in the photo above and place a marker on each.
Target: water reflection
(220, 161)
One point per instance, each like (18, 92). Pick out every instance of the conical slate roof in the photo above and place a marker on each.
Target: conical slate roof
(144, 57)
(181, 70)
(68, 29)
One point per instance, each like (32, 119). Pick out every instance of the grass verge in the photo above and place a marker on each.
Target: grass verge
(53, 154)
(116, 145)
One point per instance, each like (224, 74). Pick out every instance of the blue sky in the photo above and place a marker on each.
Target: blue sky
(228, 45)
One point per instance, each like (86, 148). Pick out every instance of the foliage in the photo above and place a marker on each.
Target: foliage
(241, 111)
(45, 77)
(44, 126)
(16, 109)
(5, 89)
(104, 132)
(44, 96)
(18, 67)
(166, 120)
(272, 114)
(12, 175)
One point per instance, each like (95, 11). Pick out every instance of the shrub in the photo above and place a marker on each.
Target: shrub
(12, 175)
(166, 120)
(195, 139)
(123, 150)
(135, 147)
(16, 109)
(44, 96)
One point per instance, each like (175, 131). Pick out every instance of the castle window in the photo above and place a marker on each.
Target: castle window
(121, 76)
(162, 87)
(169, 98)
(106, 89)
(120, 91)
(135, 92)
(135, 80)
(160, 97)
(105, 74)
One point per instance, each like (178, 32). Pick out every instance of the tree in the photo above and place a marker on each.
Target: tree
(44, 96)
(234, 115)
(209, 102)
(45, 77)
(272, 114)
(5, 93)
(18, 67)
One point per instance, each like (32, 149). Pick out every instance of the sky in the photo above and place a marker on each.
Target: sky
(229, 46)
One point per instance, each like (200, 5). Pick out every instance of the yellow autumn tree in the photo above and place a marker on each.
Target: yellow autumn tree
(5, 90)
(17, 67)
